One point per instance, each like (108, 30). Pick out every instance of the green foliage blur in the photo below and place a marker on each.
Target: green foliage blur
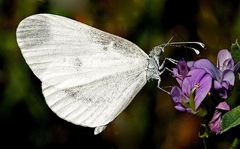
(151, 120)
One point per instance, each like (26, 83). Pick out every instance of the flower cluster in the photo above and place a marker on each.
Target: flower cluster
(194, 87)
(199, 78)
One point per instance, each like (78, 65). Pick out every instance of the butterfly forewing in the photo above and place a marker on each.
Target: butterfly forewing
(88, 76)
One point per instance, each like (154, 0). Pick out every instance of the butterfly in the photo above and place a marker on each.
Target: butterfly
(88, 76)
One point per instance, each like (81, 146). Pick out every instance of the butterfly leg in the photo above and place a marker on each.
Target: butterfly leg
(164, 61)
(159, 79)
(99, 129)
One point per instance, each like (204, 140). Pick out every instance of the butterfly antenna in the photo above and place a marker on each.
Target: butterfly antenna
(165, 45)
(183, 44)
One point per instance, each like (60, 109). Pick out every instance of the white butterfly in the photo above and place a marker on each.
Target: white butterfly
(88, 76)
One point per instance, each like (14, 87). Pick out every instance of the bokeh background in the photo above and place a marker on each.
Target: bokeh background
(150, 121)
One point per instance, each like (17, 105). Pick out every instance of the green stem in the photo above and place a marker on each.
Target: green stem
(235, 143)
(204, 143)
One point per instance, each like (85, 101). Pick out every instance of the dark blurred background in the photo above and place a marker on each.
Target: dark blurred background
(151, 120)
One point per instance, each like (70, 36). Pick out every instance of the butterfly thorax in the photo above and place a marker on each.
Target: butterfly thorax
(153, 69)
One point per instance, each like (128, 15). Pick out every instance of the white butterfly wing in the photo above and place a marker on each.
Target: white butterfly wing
(88, 76)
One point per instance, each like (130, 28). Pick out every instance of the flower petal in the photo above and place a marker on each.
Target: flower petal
(194, 79)
(179, 107)
(190, 63)
(217, 85)
(187, 86)
(177, 76)
(228, 76)
(182, 68)
(209, 68)
(223, 55)
(215, 123)
(227, 64)
(223, 93)
(236, 68)
(177, 95)
(204, 87)
(226, 85)
(223, 106)
(181, 71)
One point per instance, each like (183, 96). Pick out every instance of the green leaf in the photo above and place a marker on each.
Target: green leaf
(191, 102)
(235, 143)
(191, 99)
(235, 51)
(202, 112)
(230, 119)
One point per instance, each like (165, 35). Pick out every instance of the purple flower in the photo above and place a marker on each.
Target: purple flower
(197, 78)
(223, 106)
(194, 87)
(223, 74)
(215, 123)
(224, 60)
(181, 71)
